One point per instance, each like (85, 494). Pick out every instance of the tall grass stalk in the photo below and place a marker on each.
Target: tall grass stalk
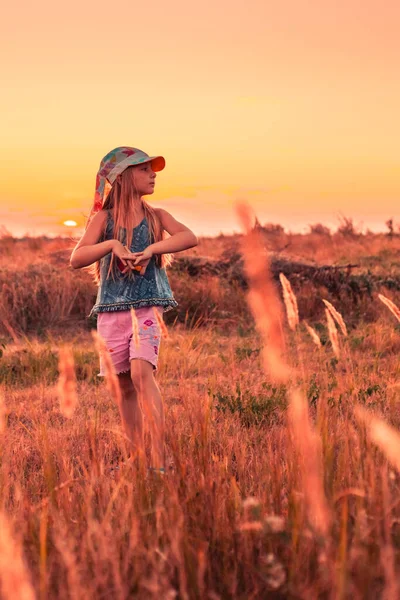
(337, 316)
(263, 299)
(333, 334)
(394, 309)
(290, 300)
(15, 581)
(67, 385)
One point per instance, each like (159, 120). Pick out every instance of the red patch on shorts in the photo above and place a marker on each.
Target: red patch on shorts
(110, 350)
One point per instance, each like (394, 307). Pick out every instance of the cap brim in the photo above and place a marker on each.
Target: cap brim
(157, 163)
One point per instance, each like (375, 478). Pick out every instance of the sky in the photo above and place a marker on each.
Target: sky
(290, 105)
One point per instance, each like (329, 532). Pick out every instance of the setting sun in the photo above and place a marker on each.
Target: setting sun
(70, 223)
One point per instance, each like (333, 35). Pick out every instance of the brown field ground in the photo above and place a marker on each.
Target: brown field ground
(281, 489)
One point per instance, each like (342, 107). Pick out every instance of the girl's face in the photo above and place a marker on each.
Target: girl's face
(144, 178)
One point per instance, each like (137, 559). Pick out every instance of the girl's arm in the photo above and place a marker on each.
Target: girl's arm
(181, 236)
(88, 251)
(87, 255)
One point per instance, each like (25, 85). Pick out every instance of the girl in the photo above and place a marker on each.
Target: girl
(125, 243)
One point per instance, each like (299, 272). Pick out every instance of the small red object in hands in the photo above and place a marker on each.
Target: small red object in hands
(121, 266)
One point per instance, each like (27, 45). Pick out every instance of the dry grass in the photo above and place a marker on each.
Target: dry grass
(290, 300)
(337, 316)
(67, 382)
(283, 487)
(333, 334)
(313, 334)
(391, 306)
(15, 578)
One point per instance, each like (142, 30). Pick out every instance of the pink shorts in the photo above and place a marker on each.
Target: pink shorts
(115, 328)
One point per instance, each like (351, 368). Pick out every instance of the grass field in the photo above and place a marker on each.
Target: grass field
(284, 438)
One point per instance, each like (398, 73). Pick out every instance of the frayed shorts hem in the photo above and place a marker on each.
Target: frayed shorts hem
(155, 368)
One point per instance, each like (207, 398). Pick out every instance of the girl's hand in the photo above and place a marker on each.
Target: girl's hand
(126, 259)
(139, 260)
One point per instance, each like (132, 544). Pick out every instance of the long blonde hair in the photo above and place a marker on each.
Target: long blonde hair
(120, 202)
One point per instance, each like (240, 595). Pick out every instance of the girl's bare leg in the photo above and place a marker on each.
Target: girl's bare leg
(131, 414)
(150, 397)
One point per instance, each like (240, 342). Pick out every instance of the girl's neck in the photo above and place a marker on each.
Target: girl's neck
(138, 211)
(137, 205)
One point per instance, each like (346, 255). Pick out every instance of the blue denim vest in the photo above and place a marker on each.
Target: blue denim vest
(138, 291)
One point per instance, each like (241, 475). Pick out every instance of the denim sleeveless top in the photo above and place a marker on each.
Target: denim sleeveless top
(150, 289)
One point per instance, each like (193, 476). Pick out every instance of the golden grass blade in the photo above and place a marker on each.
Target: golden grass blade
(11, 331)
(14, 577)
(394, 385)
(66, 386)
(391, 306)
(333, 335)
(388, 559)
(313, 334)
(161, 324)
(273, 350)
(337, 316)
(135, 328)
(2, 412)
(308, 444)
(383, 435)
(263, 298)
(111, 377)
(290, 300)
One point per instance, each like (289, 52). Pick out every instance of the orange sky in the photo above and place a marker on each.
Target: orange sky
(292, 105)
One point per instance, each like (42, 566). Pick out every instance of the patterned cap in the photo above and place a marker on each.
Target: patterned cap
(112, 165)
